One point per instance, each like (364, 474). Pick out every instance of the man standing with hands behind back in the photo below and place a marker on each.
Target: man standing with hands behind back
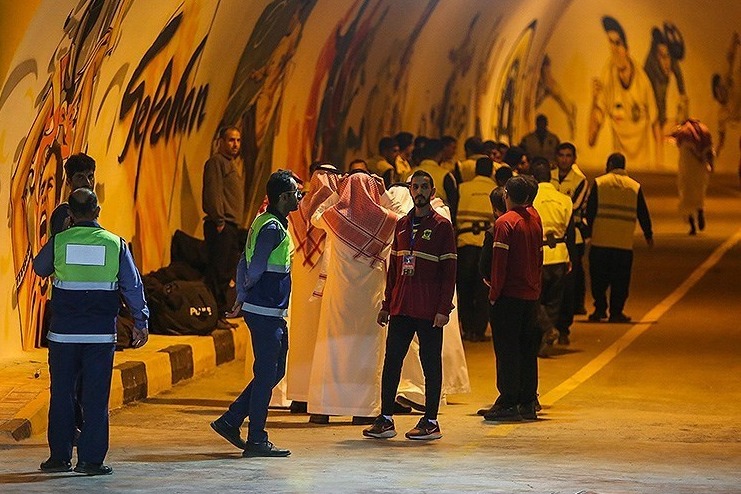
(418, 298)
(223, 203)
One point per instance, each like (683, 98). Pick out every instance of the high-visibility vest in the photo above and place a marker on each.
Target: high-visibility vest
(86, 258)
(467, 167)
(555, 210)
(438, 174)
(474, 210)
(617, 204)
(279, 261)
(568, 186)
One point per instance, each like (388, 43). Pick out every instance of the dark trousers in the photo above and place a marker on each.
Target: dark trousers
(610, 268)
(223, 250)
(400, 334)
(516, 342)
(573, 292)
(551, 295)
(92, 364)
(473, 294)
(269, 337)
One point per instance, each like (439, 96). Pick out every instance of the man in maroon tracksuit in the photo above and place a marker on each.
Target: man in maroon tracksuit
(419, 297)
(516, 265)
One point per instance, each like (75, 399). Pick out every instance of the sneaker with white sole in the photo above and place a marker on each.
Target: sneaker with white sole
(424, 431)
(382, 428)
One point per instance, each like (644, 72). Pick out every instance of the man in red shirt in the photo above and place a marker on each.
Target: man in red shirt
(516, 264)
(418, 298)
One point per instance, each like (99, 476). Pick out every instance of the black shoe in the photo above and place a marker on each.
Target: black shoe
(701, 219)
(406, 402)
(597, 316)
(693, 230)
(499, 413)
(528, 411)
(484, 411)
(382, 428)
(320, 419)
(363, 420)
(52, 466)
(401, 409)
(267, 449)
(581, 311)
(563, 339)
(298, 407)
(619, 318)
(228, 432)
(538, 406)
(93, 468)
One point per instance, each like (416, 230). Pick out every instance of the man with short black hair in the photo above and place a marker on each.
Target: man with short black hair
(516, 266)
(615, 203)
(418, 299)
(263, 290)
(540, 142)
(92, 268)
(79, 172)
(223, 203)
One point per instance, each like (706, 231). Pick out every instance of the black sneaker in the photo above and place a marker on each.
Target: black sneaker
(382, 428)
(228, 432)
(528, 411)
(498, 413)
(563, 339)
(597, 316)
(424, 431)
(266, 449)
(619, 318)
(93, 468)
(53, 466)
(298, 407)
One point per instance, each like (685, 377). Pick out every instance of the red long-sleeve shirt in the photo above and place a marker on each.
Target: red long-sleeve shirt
(430, 290)
(517, 255)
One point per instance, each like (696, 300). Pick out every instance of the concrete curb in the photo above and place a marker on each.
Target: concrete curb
(144, 374)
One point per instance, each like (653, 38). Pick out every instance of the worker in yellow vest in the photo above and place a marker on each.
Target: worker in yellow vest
(430, 163)
(615, 203)
(474, 218)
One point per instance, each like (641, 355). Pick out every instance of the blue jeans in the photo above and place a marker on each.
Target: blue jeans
(269, 337)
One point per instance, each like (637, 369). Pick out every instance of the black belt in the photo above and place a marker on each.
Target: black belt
(551, 240)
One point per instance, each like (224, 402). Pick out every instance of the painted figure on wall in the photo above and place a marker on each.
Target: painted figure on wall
(667, 50)
(727, 92)
(623, 96)
(549, 87)
(59, 130)
(256, 92)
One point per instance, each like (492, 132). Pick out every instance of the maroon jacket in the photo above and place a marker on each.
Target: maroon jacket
(517, 255)
(430, 290)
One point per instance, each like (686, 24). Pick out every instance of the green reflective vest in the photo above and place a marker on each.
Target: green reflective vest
(280, 258)
(86, 258)
(617, 204)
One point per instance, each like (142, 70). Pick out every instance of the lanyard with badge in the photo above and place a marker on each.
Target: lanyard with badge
(408, 260)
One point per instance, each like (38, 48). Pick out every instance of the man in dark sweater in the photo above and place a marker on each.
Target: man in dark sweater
(516, 265)
(223, 203)
(418, 298)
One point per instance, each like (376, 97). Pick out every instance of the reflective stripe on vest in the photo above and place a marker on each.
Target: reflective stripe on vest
(264, 311)
(474, 211)
(81, 338)
(617, 201)
(86, 258)
(569, 186)
(554, 209)
(438, 174)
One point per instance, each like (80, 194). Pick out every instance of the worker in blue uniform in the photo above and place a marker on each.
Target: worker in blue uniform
(263, 289)
(91, 267)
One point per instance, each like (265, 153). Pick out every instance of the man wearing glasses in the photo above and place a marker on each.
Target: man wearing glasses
(263, 290)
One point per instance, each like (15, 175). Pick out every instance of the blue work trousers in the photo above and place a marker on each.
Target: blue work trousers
(92, 364)
(269, 337)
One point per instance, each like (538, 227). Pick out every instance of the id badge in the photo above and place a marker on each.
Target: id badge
(407, 265)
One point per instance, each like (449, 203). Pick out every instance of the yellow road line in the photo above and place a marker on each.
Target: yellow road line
(604, 358)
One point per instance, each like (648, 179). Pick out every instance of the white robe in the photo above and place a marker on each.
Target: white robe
(692, 180)
(348, 356)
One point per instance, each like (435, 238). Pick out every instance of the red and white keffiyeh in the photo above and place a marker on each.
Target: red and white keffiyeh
(309, 239)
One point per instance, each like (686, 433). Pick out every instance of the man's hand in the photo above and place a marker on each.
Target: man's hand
(383, 317)
(139, 337)
(236, 309)
(440, 320)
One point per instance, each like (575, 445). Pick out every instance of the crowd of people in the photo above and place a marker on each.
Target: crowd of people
(378, 275)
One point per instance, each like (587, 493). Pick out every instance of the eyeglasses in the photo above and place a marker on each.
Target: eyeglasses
(298, 193)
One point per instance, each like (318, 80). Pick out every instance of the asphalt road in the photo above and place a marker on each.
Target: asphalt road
(650, 407)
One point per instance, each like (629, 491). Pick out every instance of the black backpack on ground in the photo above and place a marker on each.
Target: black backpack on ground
(180, 307)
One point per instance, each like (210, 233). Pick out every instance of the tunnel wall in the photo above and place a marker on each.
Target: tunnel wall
(144, 86)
